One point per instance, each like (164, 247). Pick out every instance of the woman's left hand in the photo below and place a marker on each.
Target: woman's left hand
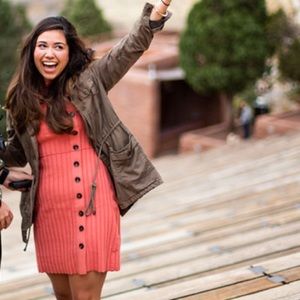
(6, 216)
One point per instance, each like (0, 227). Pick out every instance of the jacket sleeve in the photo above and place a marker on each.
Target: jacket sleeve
(13, 155)
(114, 65)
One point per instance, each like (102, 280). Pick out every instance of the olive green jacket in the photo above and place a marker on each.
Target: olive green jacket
(132, 173)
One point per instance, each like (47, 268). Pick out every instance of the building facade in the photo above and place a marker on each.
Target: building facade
(123, 13)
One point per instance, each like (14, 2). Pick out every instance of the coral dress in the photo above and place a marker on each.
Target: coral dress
(66, 240)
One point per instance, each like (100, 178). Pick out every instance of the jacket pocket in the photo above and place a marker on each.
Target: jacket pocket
(124, 153)
(131, 172)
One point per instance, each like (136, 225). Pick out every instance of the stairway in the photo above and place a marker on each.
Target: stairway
(224, 225)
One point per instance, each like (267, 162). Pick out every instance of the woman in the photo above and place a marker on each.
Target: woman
(87, 168)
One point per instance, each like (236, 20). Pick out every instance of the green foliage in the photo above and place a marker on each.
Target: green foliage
(13, 24)
(248, 95)
(289, 61)
(224, 46)
(280, 30)
(288, 46)
(86, 17)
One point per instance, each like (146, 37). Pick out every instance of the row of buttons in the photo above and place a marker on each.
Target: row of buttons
(76, 164)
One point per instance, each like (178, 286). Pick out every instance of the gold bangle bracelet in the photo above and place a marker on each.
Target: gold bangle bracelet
(160, 13)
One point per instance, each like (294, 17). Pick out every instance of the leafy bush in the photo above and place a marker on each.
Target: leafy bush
(280, 30)
(289, 61)
(224, 46)
(288, 49)
(87, 18)
(14, 25)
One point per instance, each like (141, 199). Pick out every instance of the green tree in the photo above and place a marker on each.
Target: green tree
(224, 47)
(280, 30)
(87, 18)
(14, 25)
(289, 61)
(288, 48)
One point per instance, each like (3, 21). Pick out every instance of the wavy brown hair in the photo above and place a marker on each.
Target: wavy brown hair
(27, 88)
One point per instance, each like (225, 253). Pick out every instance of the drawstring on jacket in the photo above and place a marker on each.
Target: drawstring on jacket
(27, 238)
(91, 209)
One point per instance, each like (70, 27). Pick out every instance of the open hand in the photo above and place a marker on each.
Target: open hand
(6, 216)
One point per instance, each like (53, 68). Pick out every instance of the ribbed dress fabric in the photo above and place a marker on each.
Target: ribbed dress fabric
(66, 240)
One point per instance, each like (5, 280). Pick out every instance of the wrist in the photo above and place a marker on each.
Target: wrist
(160, 10)
(3, 174)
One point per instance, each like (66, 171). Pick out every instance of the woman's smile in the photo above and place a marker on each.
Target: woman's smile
(49, 66)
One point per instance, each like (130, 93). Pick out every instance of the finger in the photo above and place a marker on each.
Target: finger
(5, 223)
(2, 224)
(5, 214)
(8, 221)
(10, 216)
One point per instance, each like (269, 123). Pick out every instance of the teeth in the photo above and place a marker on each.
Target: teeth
(50, 64)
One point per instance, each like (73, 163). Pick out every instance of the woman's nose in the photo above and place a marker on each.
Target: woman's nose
(49, 53)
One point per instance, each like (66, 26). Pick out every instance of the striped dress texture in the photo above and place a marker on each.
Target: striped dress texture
(68, 241)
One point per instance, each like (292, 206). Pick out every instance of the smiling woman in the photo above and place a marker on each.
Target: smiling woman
(87, 168)
(51, 54)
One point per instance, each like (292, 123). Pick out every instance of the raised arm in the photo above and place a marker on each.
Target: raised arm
(160, 10)
(114, 65)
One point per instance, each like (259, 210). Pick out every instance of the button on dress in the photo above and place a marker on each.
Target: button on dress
(67, 241)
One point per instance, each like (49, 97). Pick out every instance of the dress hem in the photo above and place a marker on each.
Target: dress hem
(82, 273)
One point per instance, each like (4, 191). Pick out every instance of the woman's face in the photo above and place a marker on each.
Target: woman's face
(51, 54)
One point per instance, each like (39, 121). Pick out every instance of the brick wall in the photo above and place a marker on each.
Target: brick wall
(135, 99)
(277, 124)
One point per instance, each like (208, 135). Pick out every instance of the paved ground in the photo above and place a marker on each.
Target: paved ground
(15, 262)
(225, 225)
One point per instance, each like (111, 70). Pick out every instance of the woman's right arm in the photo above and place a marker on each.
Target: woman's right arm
(114, 65)
(13, 153)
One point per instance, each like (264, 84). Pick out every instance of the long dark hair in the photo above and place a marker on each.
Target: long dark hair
(27, 88)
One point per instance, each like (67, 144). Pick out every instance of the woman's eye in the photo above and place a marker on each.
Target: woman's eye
(59, 47)
(42, 46)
